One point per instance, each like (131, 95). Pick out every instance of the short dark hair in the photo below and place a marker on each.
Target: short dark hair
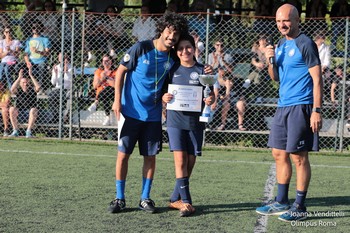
(171, 19)
(186, 37)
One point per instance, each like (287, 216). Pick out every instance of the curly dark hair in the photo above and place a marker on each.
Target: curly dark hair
(171, 19)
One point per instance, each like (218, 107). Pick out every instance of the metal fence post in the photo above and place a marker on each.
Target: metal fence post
(344, 85)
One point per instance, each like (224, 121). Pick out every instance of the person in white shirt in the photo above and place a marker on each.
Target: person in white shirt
(56, 80)
(9, 52)
(323, 51)
(144, 27)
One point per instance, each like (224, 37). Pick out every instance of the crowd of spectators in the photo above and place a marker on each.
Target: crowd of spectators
(33, 42)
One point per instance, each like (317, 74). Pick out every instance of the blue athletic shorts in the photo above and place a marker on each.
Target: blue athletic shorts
(291, 131)
(186, 140)
(147, 134)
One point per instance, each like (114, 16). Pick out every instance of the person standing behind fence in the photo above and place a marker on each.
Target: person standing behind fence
(37, 51)
(323, 51)
(5, 97)
(56, 80)
(297, 121)
(9, 52)
(25, 107)
(114, 30)
(184, 129)
(104, 79)
(138, 97)
(52, 24)
(339, 10)
(144, 27)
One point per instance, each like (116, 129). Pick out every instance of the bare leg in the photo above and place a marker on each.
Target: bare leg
(33, 114)
(180, 160)
(149, 166)
(240, 105)
(5, 117)
(283, 166)
(191, 163)
(121, 167)
(14, 117)
(303, 170)
(224, 112)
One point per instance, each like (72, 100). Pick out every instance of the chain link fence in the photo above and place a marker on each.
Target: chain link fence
(78, 106)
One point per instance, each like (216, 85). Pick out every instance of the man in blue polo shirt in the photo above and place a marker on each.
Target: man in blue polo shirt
(294, 132)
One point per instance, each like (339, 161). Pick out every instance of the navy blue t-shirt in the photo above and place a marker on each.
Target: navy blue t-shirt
(147, 70)
(181, 75)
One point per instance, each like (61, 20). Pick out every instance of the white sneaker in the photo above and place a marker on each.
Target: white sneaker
(107, 121)
(90, 56)
(92, 108)
(113, 54)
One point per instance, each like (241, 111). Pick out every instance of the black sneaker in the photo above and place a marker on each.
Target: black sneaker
(116, 206)
(147, 205)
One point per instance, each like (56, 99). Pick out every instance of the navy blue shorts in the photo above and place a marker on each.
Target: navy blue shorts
(291, 131)
(147, 134)
(186, 140)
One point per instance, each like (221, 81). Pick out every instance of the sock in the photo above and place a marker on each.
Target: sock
(184, 189)
(175, 196)
(300, 198)
(120, 189)
(282, 193)
(146, 188)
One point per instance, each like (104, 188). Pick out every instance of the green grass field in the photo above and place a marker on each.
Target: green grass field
(51, 186)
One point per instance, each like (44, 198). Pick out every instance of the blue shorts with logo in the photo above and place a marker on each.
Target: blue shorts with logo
(148, 134)
(291, 131)
(186, 140)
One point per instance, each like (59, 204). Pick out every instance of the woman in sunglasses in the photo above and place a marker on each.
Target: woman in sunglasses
(9, 52)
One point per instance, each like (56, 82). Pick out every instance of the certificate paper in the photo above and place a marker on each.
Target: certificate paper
(186, 98)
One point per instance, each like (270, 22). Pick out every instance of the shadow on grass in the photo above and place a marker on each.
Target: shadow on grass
(236, 207)
(206, 209)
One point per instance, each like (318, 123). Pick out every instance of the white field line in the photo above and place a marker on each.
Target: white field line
(159, 158)
(261, 222)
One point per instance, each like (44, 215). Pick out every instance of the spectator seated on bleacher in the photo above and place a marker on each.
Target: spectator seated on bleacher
(219, 57)
(66, 83)
(255, 82)
(25, 108)
(104, 85)
(224, 97)
(5, 96)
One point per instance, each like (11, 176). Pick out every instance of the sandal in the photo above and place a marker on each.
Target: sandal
(241, 127)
